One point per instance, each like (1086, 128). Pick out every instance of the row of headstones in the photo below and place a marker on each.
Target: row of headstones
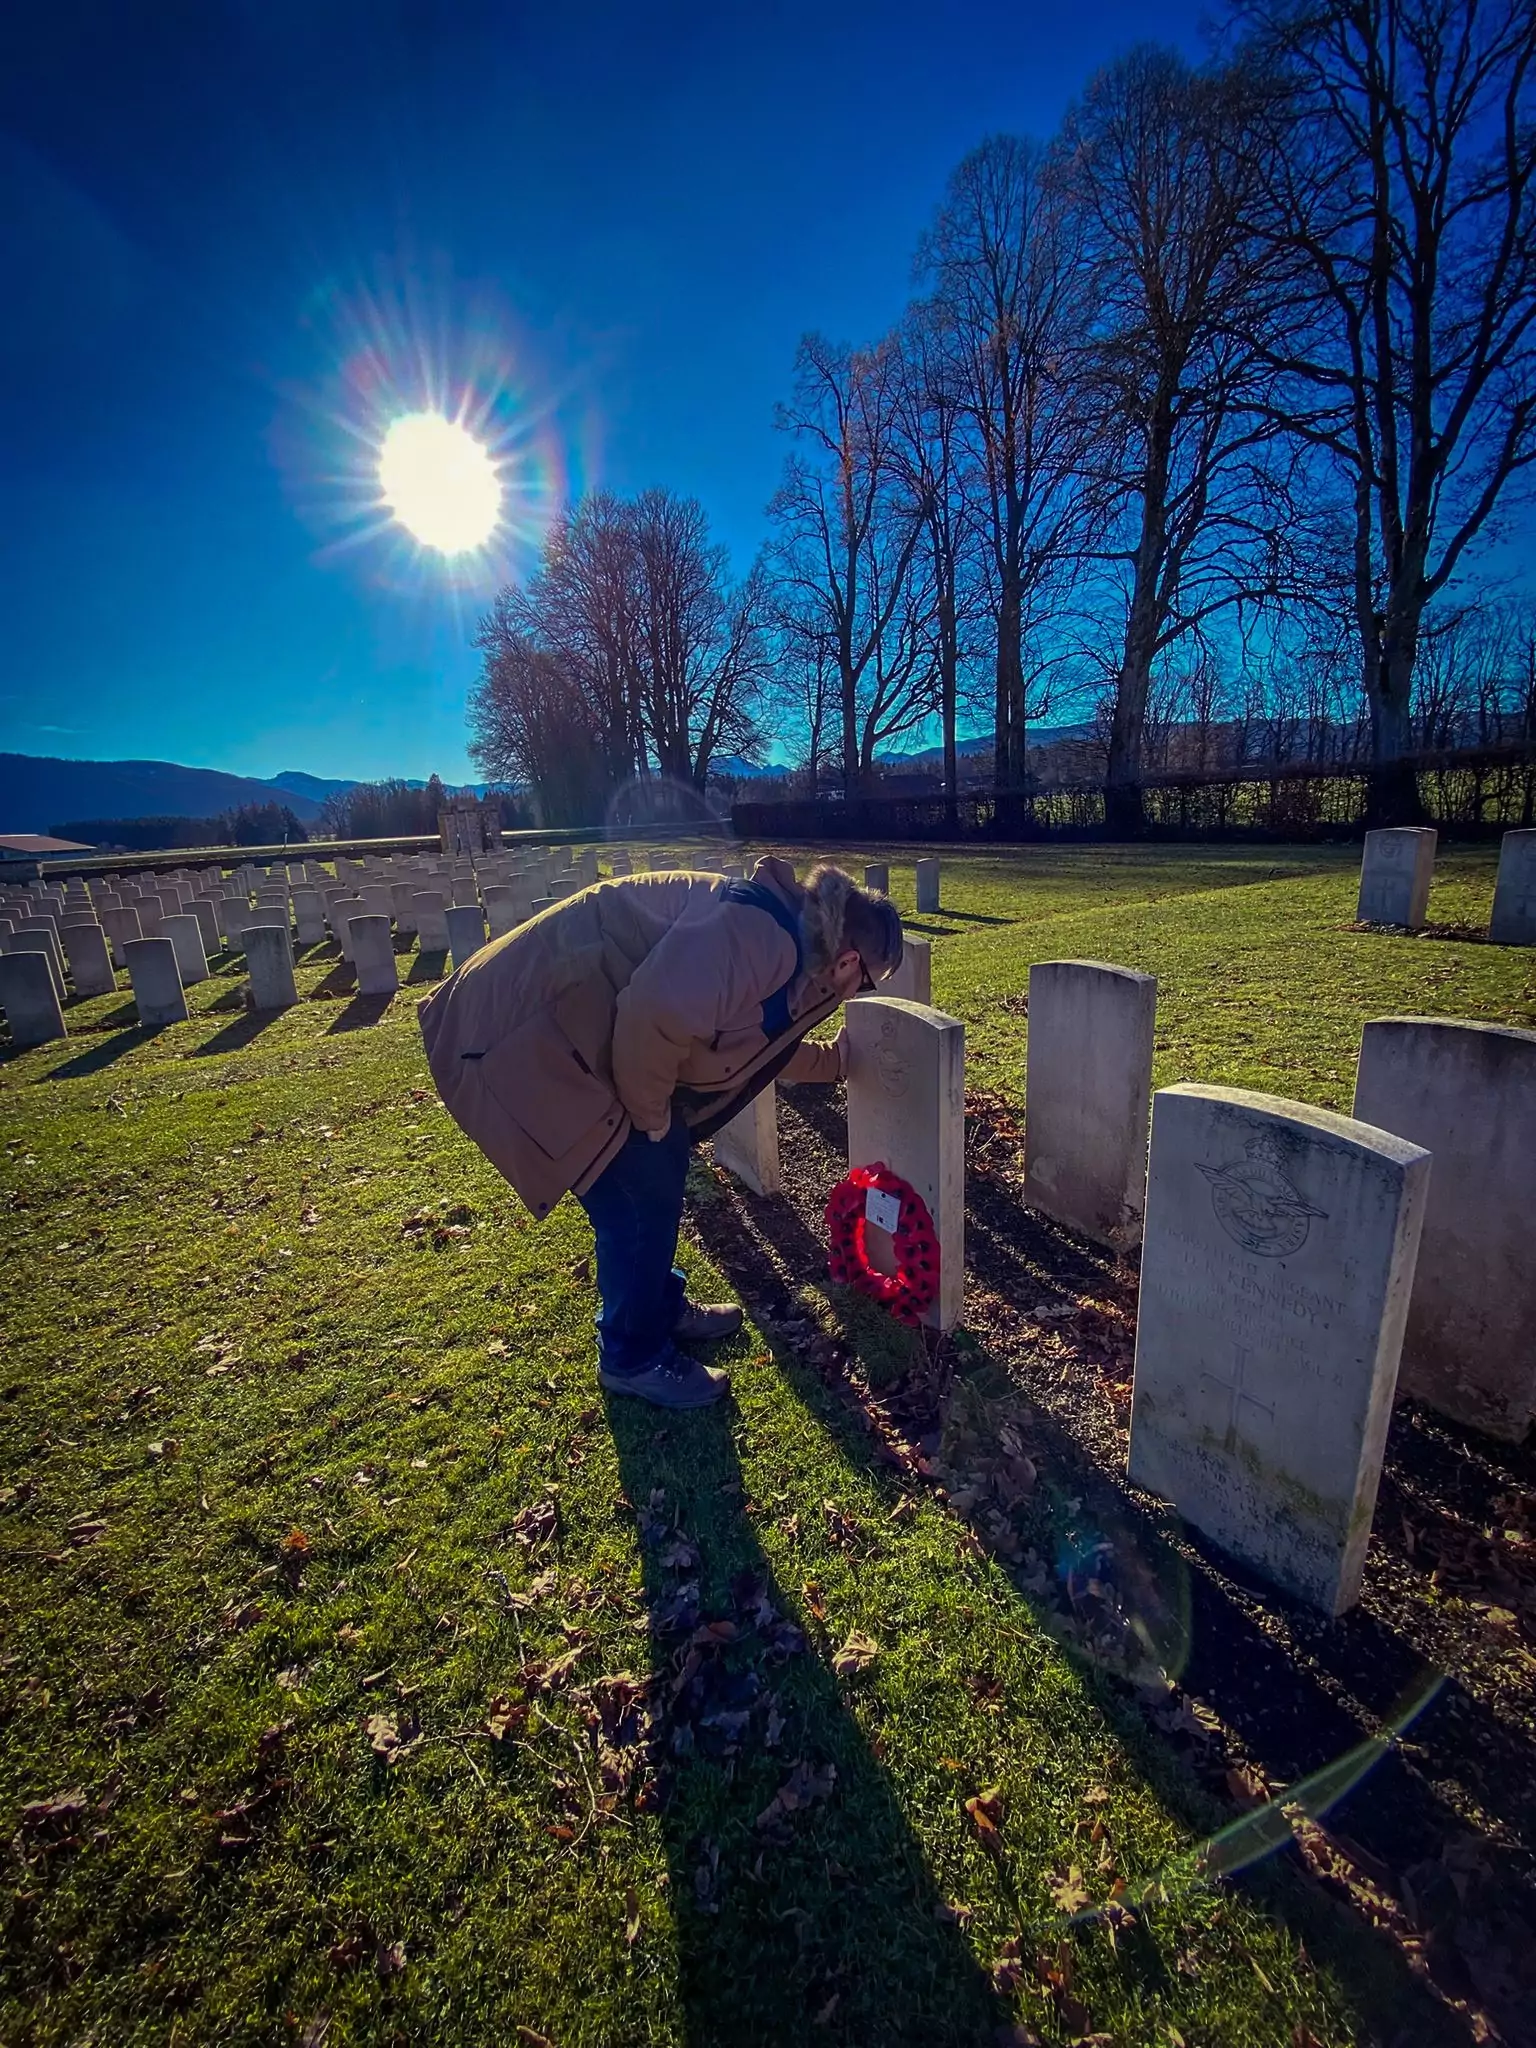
(1330, 1290)
(1293, 1259)
(166, 928)
(1398, 867)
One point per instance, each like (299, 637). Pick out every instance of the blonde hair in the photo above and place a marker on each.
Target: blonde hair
(838, 914)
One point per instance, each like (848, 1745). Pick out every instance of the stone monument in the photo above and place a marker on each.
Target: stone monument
(30, 999)
(1514, 893)
(1275, 1275)
(1395, 875)
(1467, 1093)
(906, 1107)
(748, 1145)
(373, 952)
(157, 991)
(1087, 1096)
(269, 963)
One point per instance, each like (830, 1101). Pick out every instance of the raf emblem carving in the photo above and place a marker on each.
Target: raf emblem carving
(1258, 1204)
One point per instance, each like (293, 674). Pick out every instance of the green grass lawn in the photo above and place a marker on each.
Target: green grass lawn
(365, 1678)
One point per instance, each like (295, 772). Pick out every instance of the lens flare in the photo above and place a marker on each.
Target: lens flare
(440, 483)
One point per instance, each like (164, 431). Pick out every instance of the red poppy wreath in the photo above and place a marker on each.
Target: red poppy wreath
(914, 1286)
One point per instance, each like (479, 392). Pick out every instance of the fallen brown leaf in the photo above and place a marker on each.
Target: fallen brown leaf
(1068, 1892)
(805, 1786)
(52, 1813)
(986, 1811)
(856, 1655)
(387, 1741)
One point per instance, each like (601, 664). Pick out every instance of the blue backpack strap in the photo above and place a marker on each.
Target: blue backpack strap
(776, 1017)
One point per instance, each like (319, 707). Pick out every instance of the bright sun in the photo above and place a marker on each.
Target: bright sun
(439, 483)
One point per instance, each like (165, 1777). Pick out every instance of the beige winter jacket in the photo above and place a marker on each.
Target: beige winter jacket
(608, 1011)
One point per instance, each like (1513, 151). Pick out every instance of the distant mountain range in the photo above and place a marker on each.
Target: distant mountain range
(37, 791)
(316, 787)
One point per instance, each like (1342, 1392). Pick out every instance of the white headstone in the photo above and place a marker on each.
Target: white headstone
(201, 907)
(1275, 1275)
(927, 886)
(46, 929)
(232, 912)
(913, 980)
(308, 917)
(373, 951)
(30, 999)
(90, 963)
(878, 876)
(906, 1107)
(269, 963)
(466, 931)
(1514, 893)
(505, 908)
(342, 911)
(401, 898)
(431, 921)
(1087, 1094)
(1395, 875)
(121, 925)
(748, 1145)
(45, 946)
(1467, 1092)
(156, 982)
(186, 935)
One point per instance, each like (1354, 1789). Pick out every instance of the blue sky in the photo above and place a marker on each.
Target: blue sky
(237, 235)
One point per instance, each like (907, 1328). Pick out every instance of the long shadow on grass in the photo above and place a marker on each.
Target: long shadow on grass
(972, 917)
(361, 1012)
(1298, 1699)
(125, 1013)
(102, 1054)
(802, 1902)
(237, 1034)
(339, 981)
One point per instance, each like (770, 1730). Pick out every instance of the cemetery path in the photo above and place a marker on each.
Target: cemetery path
(1022, 1420)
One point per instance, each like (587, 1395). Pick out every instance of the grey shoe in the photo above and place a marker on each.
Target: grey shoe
(674, 1381)
(706, 1322)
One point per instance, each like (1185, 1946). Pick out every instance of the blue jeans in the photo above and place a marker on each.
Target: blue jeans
(635, 1206)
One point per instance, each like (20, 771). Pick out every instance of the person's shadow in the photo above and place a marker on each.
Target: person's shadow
(802, 1903)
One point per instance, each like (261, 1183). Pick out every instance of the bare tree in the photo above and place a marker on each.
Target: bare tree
(1008, 298)
(847, 531)
(584, 606)
(698, 648)
(630, 647)
(1403, 196)
(1157, 164)
(804, 681)
(530, 721)
(931, 453)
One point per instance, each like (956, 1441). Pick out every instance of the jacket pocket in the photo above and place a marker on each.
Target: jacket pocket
(537, 1078)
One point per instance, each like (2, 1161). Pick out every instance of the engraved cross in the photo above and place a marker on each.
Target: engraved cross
(1239, 1393)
